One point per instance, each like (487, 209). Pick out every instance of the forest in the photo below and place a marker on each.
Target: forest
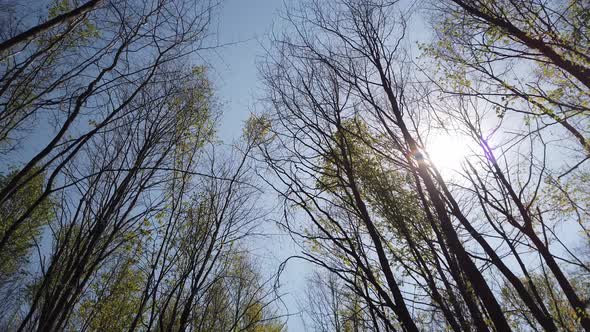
(427, 159)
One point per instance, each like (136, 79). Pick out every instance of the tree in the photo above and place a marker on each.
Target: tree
(17, 251)
(37, 30)
(71, 86)
(16, 258)
(114, 299)
(350, 118)
(556, 302)
(522, 59)
(146, 213)
(527, 58)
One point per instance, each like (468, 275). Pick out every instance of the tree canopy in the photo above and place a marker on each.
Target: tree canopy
(428, 160)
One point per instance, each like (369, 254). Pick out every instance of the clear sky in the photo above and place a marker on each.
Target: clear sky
(245, 25)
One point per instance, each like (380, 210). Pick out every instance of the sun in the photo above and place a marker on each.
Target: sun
(447, 152)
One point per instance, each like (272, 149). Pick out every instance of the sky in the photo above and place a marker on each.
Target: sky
(245, 25)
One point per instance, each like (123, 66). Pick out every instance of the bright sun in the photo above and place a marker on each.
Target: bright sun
(447, 152)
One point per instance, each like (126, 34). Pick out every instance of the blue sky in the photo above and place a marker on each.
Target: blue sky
(245, 25)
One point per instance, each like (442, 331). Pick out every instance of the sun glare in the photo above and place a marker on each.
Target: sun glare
(447, 152)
